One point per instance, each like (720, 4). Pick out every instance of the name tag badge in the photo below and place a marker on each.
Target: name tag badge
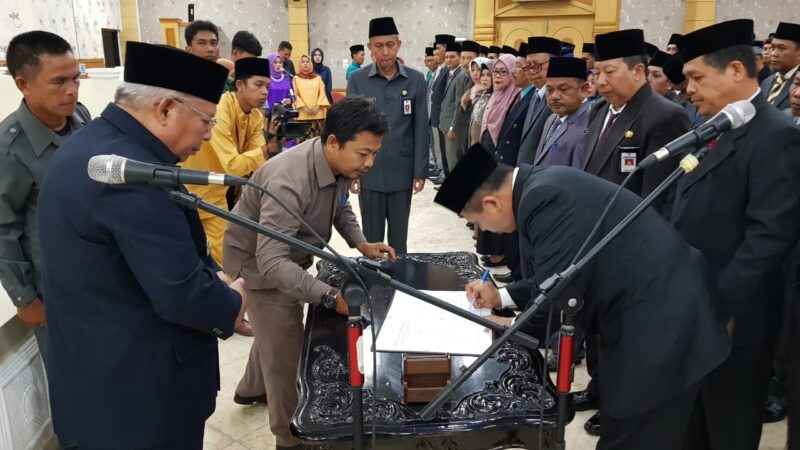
(371, 99)
(406, 106)
(627, 162)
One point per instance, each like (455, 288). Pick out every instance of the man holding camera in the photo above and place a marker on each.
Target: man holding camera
(312, 181)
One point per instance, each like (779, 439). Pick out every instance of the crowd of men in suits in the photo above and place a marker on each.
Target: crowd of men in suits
(628, 99)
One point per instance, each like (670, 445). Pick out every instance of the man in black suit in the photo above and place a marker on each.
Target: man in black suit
(540, 50)
(741, 209)
(437, 96)
(629, 123)
(648, 294)
(785, 61)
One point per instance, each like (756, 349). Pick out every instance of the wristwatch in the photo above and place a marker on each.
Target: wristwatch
(329, 298)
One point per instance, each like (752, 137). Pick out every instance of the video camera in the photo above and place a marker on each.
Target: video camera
(290, 128)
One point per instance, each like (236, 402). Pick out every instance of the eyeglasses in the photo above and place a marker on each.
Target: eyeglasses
(209, 121)
(499, 72)
(537, 67)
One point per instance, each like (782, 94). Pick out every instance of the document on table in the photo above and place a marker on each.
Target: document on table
(414, 326)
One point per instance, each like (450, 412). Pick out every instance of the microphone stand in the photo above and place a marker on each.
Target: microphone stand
(557, 290)
(354, 292)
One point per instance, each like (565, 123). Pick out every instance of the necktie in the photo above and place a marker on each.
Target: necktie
(516, 101)
(776, 87)
(611, 118)
(552, 130)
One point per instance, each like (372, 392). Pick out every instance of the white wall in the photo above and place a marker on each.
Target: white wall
(77, 21)
(659, 19)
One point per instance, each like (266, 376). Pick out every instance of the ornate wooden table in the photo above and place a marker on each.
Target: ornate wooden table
(505, 404)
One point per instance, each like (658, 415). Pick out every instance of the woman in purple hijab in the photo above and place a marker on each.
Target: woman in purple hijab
(280, 88)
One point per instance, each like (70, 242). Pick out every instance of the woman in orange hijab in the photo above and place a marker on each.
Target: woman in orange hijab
(312, 102)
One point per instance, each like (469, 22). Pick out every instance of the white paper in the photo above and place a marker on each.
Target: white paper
(414, 326)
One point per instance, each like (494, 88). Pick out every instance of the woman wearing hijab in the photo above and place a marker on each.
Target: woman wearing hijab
(480, 95)
(280, 87)
(323, 71)
(311, 101)
(503, 94)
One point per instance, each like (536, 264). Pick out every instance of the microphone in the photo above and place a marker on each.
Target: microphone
(283, 71)
(113, 169)
(731, 117)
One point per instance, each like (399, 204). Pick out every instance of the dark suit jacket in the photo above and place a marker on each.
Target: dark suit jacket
(648, 122)
(562, 147)
(507, 148)
(437, 96)
(533, 130)
(783, 100)
(648, 294)
(741, 209)
(134, 306)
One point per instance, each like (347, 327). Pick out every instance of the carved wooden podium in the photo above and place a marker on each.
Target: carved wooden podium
(505, 404)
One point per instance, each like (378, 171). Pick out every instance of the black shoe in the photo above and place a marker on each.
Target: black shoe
(506, 278)
(489, 263)
(470, 225)
(552, 362)
(774, 410)
(250, 400)
(584, 401)
(592, 426)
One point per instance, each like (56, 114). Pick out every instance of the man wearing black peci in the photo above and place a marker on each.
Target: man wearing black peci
(741, 209)
(648, 294)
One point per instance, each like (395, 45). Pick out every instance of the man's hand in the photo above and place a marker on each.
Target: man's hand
(238, 286)
(451, 135)
(224, 277)
(502, 321)
(274, 126)
(355, 188)
(730, 326)
(483, 294)
(465, 100)
(341, 305)
(33, 314)
(419, 183)
(378, 250)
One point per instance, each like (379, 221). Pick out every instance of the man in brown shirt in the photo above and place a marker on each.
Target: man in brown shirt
(313, 180)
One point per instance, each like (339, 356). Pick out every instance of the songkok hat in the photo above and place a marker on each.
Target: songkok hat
(619, 44)
(715, 37)
(508, 50)
(470, 46)
(788, 31)
(246, 67)
(444, 38)
(544, 44)
(588, 47)
(169, 68)
(495, 49)
(523, 49)
(356, 48)
(659, 59)
(674, 38)
(453, 47)
(382, 26)
(428, 51)
(465, 178)
(561, 67)
(758, 47)
(673, 69)
(484, 50)
(650, 49)
(567, 49)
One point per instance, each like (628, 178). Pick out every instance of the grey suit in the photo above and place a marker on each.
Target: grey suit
(782, 101)
(453, 91)
(562, 148)
(461, 118)
(533, 129)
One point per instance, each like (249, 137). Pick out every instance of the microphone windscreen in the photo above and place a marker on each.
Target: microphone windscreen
(740, 113)
(106, 169)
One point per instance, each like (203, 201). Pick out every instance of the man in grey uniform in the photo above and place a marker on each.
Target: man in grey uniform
(46, 72)
(402, 164)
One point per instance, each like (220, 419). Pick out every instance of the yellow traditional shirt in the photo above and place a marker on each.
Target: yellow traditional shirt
(311, 93)
(235, 148)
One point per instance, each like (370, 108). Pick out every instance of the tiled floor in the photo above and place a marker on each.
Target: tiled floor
(433, 229)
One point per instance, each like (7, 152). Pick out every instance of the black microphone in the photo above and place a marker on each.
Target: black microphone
(283, 71)
(113, 169)
(731, 117)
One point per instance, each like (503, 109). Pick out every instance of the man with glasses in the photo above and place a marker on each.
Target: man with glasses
(628, 124)
(540, 50)
(135, 304)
